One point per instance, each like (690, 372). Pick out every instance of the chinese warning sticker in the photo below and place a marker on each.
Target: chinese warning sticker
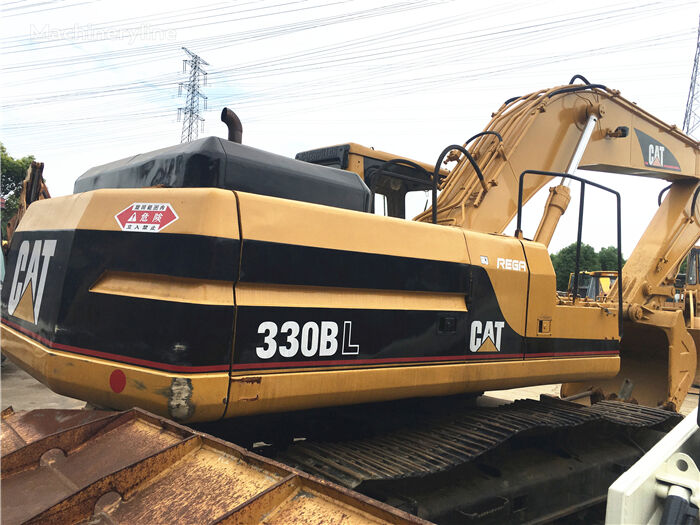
(146, 217)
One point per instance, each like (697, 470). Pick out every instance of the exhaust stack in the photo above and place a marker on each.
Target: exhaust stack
(235, 128)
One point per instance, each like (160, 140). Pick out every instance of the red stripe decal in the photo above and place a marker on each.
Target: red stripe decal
(288, 364)
(591, 352)
(298, 364)
(115, 357)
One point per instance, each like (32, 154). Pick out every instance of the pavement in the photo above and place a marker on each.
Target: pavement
(23, 392)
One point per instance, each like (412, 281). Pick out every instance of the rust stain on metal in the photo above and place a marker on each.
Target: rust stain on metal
(247, 379)
(249, 398)
(135, 467)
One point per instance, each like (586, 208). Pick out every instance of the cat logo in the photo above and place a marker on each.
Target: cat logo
(485, 336)
(29, 279)
(655, 154)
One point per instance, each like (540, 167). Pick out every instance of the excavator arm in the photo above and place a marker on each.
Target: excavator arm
(656, 339)
(558, 130)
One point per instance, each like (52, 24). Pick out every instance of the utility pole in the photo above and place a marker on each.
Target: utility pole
(691, 122)
(192, 118)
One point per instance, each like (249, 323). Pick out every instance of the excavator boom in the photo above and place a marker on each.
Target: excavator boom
(542, 131)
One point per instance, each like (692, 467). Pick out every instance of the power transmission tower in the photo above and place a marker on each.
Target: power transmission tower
(691, 122)
(190, 112)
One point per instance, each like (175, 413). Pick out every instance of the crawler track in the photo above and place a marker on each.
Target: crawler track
(452, 440)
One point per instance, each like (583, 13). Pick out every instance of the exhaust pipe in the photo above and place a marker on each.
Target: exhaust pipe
(235, 128)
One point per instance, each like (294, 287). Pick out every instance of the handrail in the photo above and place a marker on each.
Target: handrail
(584, 182)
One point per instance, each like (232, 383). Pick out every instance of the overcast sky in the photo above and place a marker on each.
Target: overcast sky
(85, 82)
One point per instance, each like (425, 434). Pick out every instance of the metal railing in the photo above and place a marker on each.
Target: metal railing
(584, 183)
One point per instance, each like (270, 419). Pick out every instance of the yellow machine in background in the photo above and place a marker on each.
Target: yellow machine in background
(33, 189)
(595, 285)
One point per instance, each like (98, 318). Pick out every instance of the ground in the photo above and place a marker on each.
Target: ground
(23, 392)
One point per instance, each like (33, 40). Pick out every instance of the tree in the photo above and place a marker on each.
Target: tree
(564, 262)
(608, 258)
(13, 173)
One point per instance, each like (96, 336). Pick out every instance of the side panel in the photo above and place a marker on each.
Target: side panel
(335, 297)
(557, 330)
(326, 287)
(75, 309)
(500, 284)
(336, 307)
(138, 304)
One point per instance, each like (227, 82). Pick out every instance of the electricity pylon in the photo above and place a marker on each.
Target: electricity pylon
(190, 112)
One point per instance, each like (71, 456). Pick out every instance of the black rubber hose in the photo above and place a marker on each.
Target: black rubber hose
(574, 89)
(482, 133)
(579, 77)
(573, 79)
(436, 172)
(695, 200)
(661, 193)
(675, 510)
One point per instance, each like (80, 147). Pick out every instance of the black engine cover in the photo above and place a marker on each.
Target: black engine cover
(219, 163)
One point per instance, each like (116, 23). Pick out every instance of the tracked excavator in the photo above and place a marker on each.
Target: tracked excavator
(256, 295)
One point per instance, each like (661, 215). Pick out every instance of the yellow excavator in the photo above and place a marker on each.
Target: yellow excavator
(33, 189)
(594, 285)
(212, 280)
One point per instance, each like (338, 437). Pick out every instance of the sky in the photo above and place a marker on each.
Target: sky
(86, 82)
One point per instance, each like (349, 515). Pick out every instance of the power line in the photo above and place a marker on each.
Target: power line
(192, 118)
(335, 55)
(691, 121)
(403, 60)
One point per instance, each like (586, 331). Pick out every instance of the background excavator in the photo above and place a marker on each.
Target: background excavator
(33, 189)
(594, 284)
(212, 281)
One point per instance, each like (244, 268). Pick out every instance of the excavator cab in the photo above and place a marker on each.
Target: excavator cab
(392, 180)
(595, 285)
(689, 289)
(690, 282)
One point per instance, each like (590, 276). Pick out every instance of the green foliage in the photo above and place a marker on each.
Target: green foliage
(564, 261)
(608, 258)
(13, 173)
